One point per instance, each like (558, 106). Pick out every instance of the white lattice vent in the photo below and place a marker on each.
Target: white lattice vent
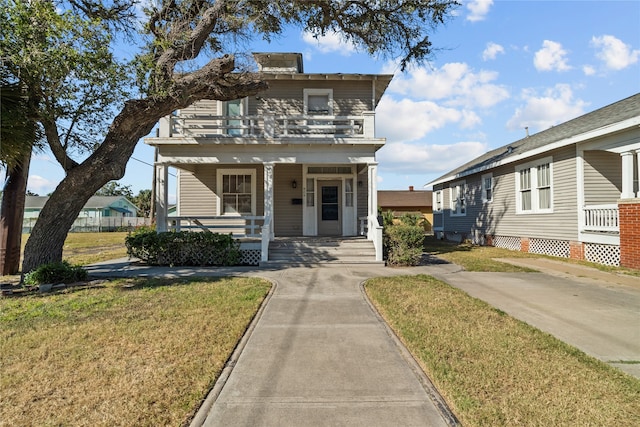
(507, 242)
(602, 254)
(559, 248)
(251, 256)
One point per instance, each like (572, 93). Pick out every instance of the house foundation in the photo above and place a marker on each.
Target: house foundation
(576, 250)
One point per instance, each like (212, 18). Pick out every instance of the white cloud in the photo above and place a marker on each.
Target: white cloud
(551, 57)
(419, 158)
(492, 50)
(615, 54)
(407, 120)
(40, 185)
(456, 84)
(478, 9)
(588, 70)
(329, 43)
(540, 112)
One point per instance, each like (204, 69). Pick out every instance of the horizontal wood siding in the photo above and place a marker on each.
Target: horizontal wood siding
(206, 106)
(499, 216)
(602, 177)
(362, 199)
(197, 190)
(287, 216)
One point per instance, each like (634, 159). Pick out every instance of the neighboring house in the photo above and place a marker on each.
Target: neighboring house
(569, 191)
(99, 213)
(402, 202)
(295, 160)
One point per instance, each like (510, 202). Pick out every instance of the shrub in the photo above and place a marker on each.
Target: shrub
(183, 248)
(404, 244)
(56, 272)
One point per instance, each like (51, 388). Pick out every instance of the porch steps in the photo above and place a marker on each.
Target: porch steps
(309, 251)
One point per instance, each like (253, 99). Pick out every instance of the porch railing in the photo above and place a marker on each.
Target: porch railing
(601, 218)
(239, 226)
(268, 126)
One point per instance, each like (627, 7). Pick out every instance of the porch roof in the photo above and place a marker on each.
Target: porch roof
(624, 113)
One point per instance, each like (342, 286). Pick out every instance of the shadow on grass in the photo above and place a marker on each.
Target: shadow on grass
(433, 246)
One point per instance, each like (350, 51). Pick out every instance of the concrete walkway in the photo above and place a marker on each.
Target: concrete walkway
(318, 354)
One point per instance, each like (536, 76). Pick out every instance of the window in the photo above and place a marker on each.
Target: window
(534, 187)
(318, 102)
(348, 192)
(236, 191)
(235, 109)
(487, 187)
(458, 203)
(311, 195)
(437, 201)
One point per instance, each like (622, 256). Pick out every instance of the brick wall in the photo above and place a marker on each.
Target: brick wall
(629, 214)
(524, 244)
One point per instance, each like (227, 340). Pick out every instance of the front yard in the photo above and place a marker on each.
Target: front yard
(130, 352)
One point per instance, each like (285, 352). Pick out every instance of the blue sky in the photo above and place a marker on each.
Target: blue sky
(501, 66)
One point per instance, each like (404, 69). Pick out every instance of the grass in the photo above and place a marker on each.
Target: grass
(87, 248)
(484, 258)
(495, 370)
(132, 352)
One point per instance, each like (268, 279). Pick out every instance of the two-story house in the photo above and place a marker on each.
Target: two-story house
(298, 159)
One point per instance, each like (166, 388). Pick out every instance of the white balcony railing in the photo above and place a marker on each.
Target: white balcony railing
(268, 126)
(601, 218)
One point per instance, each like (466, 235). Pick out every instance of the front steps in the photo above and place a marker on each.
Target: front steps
(305, 251)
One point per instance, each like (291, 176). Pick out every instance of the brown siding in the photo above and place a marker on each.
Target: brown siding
(287, 216)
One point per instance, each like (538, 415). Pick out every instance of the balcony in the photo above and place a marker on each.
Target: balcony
(268, 126)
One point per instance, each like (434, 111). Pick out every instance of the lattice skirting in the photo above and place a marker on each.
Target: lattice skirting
(507, 242)
(251, 256)
(602, 254)
(559, 248)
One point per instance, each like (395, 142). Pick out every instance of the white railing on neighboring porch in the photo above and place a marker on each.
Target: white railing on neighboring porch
(268, 126)
(601, 218)
(239, 226)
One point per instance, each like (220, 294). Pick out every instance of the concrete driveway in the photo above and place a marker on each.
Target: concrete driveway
(597, 312)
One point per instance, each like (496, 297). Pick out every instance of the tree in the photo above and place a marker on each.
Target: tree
(20, 133)
(169, 76)
(143, 202)
(114, 188)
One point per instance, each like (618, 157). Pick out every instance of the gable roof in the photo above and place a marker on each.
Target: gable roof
(625, 112)
(404, 198)
(95, 202)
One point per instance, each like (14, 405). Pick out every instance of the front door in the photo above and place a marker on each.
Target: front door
(329, 208)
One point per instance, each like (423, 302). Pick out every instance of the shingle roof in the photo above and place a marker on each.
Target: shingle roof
(619, 111)
(95, 202)
(404, 198)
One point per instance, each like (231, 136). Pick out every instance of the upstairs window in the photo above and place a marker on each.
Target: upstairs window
(318, 102)
(234, 109)
(534, 187)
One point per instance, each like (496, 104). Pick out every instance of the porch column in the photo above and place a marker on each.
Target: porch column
(268, 194)
(162, 175)
(627, 175)
(373, 189)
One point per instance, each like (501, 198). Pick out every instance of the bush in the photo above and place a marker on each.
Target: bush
(404, 244)
(56, 272)
(183, 248)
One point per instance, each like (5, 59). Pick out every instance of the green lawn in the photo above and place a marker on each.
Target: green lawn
(495, 370)
(131, 352)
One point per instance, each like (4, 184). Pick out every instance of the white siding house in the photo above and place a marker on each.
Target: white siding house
(569, 191)
(298, 159)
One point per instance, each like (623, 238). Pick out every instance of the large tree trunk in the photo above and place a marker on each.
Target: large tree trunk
(108, 162)
(11, 214)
